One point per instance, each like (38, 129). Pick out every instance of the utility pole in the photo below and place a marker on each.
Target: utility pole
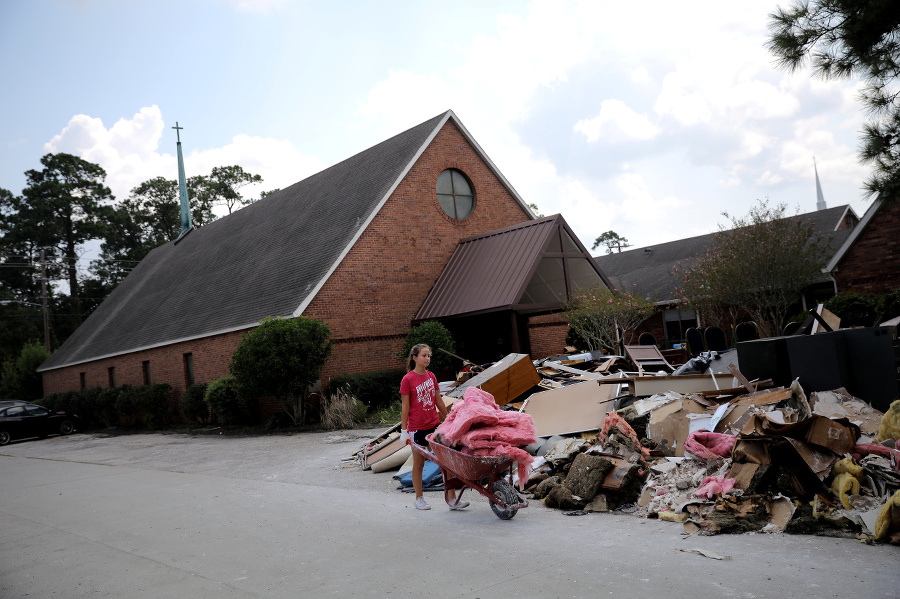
(44, 301)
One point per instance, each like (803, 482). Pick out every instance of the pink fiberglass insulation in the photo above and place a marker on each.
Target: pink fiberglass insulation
(709, 446)
(477, 426)
(613, 419)
(475, 408)
(712, 486)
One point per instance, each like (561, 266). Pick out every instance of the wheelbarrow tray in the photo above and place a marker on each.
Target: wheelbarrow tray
(464, 471)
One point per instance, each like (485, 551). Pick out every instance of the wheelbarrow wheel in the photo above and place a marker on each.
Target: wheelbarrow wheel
(505, 492)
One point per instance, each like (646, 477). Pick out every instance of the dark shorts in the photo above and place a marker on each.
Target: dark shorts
(418, 437)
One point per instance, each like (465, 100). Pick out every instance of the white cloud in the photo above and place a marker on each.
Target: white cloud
(129, 153)
(617, 122)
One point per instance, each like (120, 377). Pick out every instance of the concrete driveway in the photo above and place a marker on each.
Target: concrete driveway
(174, 515)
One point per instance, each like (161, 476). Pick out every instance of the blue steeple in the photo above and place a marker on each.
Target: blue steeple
(186, 224)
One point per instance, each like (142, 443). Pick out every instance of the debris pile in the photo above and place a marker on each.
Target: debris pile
(702, 446)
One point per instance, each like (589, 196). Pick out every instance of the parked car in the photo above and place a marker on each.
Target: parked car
(29, 420)
(4, 403)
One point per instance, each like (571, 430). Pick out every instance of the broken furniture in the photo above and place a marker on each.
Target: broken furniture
(646, 338)
(714, 339)
(860, 360)
(746, 331)
(693, 341)
(505, 380)
(647, 357)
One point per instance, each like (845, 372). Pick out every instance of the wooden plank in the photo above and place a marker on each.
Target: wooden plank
(505, 380)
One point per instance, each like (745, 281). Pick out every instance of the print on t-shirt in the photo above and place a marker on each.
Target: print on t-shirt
(425, 393)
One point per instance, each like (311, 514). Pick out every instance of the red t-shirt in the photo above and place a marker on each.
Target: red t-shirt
(422, 391)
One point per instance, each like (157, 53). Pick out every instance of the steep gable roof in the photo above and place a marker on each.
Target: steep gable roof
(851, 239)
(649, 269)
(268, 259)
(496, 270)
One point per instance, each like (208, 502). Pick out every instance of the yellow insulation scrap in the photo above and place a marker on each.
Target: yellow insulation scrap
(847, 465)
(890, 423)
(846, 480)
(887, 526)
(843, 485)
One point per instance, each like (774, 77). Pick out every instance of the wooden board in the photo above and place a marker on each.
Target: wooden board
(505, 380)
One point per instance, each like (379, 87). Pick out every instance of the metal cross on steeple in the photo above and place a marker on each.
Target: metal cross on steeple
(178, 131)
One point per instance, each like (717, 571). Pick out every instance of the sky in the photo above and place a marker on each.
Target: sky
(649, 118)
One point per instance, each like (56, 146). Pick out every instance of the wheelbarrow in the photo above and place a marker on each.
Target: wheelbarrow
(489, 475)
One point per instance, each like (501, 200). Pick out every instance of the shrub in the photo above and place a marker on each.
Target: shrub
(436, 336)
(281, 358)
(227, 405)
(390, 414)
(374, 389)
(342, 410)
(193, 404)
(105, 408)
(854, 309)
(154, 405)
(127, 404)
(888, 305)
(85, 404)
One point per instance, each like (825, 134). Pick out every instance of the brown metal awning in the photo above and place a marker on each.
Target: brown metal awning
(533, 267)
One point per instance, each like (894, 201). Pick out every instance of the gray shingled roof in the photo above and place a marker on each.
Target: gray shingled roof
(264, 260)
(649, 272)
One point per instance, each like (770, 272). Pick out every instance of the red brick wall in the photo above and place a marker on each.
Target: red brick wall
(380, 285)
(547, 334)
(211, 357)
(872, 264)
(373, 295)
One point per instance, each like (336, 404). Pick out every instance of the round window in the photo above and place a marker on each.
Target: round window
(455, 194)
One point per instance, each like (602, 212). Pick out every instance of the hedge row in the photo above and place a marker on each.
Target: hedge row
(133, 406)
(374, 389)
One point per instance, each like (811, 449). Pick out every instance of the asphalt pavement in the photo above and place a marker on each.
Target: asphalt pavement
(179, 515)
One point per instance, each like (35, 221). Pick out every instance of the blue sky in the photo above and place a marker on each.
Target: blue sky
(649, 119)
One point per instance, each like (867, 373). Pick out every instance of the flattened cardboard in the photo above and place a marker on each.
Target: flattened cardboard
(839, 437)
(671, 422)
(616, 477)
(570, 409)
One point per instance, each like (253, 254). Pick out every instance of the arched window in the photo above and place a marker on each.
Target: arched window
(456, 194)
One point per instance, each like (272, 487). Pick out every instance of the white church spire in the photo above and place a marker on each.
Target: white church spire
(820, 199)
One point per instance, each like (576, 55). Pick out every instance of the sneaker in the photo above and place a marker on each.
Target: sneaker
(459, 505)
(421, 504)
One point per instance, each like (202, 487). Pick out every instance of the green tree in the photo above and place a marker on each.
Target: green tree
(611, 240)
(281, 358)
(437, 337)
(64, 205)
(759, 266)
(222, 187)
(19, 378)
(844, 38)
(606, 319)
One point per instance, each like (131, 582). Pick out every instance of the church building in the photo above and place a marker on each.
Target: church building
(422, 226)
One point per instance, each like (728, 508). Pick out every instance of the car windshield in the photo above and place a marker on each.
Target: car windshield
(36, 411)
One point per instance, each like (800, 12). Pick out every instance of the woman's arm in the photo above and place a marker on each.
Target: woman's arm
(404, 413)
